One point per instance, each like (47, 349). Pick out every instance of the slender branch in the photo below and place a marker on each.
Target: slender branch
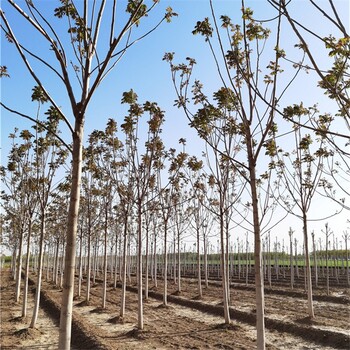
(34, 120)
(43, 62)
(114, 9)
(31, 71)
(127, 46)
(34, 55)
(30, 7)
(98, 25)
(338, 24)
(108, 57)
(274, 101)
(292, 22)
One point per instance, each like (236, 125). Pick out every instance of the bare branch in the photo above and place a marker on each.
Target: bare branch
(109, 54)
(114, 9)
(338, 24)
(31, 71)
(36, 121)
(30, 7)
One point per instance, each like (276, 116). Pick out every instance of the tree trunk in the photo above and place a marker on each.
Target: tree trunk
(173, 269)
(115, 263)
(276, 260)
(269, 259)
(178, 264)
(223, 272)
(40, 270)
(129, 262)
(139, 267)
(308, 269)
(68, 285)
(19, 267)
(94, 262)
(111, 263)
(147, 264)
(227, 262)
(25, 287)
(205, 246)
(347, 260)
(247, 259)
(155, 261)
(88, 269)
(165, 291)
(48, 260)
(239, 259)
(123, 274)
(259, 281)
(199, 272)
(62, 266)
(105, 263)
(14, 263)
(80, 262)
(296, 257)
(55, 274)
(327, 266)
(291, 263)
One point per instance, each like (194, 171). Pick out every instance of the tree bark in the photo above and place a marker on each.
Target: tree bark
(139, 267)
(223, 271)
(25, 287)
(40, 270)
(115, 277)
(80, 262)
(19, 267)
(146, 264)
(199, 272)
(291, 262)
(88, 269)
(55, 274)
(205, 262)
(14, 263)
(155, 263)
(68, 284)
(259, 281)
(105, 265)
(178, 264)
(123, 274)
(315, 259)
(165, 291)
(308, 269)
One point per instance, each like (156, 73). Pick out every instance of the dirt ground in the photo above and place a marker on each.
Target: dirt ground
(174, 326)
(15, 333)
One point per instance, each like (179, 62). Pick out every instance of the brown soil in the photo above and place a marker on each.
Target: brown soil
(190, 323)
(15, 333)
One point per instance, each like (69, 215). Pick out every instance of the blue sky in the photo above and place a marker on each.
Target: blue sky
(143, 70)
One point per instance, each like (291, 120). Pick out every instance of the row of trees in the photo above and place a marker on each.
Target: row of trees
(133, 186)
(277, 263)
(125, 204)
